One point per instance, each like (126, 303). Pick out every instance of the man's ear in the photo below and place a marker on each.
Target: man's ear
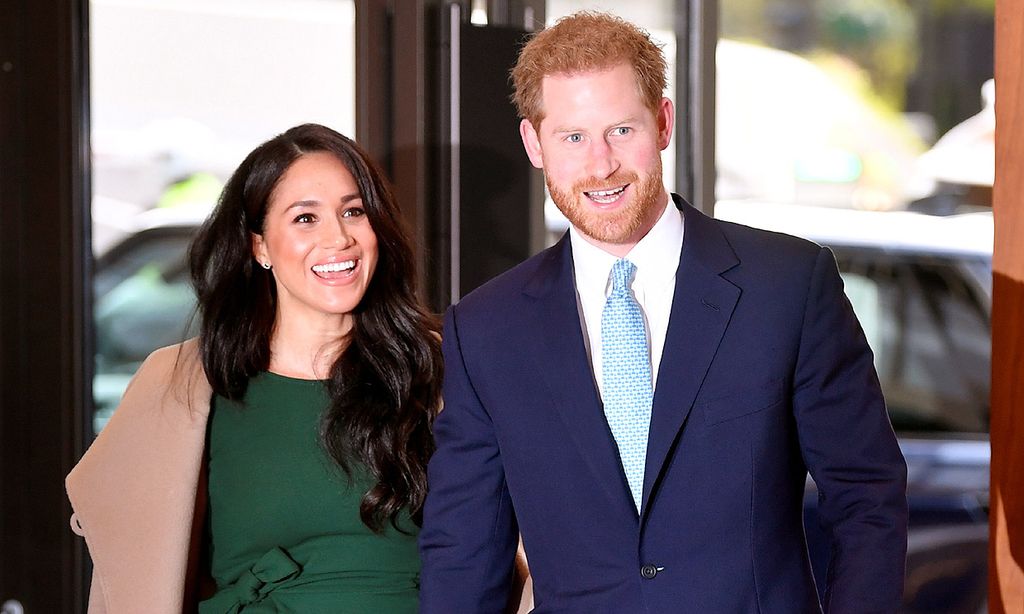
(666, 122)
(531, 142)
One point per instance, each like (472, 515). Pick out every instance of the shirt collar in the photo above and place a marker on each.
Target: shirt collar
(656, 256)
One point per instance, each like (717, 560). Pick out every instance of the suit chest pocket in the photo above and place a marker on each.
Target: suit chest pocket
(743, 402)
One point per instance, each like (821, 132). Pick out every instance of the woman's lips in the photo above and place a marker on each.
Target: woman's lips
(335, 270)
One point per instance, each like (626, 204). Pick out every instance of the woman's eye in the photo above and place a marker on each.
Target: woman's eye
(354, 212)
(305, 218)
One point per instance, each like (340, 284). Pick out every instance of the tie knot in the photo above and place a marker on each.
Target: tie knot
(622, 275)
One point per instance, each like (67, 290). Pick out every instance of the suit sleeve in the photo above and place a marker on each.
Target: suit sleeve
(851, 452)
(469, 535)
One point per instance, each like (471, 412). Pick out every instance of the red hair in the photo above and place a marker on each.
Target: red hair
(582, 42)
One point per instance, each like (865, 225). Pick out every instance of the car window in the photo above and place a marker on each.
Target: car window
(143, 301)
(927, 321)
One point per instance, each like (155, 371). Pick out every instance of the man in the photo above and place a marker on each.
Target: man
(643, 401)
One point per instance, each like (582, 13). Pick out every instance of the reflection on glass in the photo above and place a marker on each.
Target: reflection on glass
(861, 125)
(834, 103)
(929, 328)
(180, 92)
(841, 104)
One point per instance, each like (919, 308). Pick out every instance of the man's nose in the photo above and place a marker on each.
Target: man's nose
(601, 159)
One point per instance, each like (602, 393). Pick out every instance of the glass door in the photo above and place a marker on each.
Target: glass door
(181, 92)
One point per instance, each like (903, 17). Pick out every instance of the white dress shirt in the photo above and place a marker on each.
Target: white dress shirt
(656, 257)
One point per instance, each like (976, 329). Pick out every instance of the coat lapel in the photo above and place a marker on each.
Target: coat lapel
(134, 492)
(701, 308)
(557, 344)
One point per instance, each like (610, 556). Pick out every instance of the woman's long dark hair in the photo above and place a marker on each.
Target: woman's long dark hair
(384, 387)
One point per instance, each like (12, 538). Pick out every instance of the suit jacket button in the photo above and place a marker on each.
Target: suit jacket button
(648, 571)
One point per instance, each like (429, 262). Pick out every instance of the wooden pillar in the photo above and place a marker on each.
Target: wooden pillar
(1006, 550)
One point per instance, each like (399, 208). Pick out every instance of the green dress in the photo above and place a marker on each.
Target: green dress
(284, 527)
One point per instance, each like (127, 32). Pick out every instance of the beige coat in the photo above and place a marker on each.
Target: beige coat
(135, 491)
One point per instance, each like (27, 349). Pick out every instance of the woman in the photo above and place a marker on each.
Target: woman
(283, 453)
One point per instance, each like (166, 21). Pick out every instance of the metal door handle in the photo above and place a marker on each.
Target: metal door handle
(12, 606)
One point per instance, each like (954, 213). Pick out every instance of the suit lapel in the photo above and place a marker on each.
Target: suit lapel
(565, 369)
(701, 308)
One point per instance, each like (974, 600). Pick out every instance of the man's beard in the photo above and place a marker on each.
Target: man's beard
(614, 227)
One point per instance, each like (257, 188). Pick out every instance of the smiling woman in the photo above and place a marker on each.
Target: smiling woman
(290, 441)
(321, 248)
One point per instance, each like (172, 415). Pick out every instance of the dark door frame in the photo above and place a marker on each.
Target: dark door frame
(44, 304)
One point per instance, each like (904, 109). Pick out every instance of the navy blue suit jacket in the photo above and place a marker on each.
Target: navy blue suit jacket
(765, 375)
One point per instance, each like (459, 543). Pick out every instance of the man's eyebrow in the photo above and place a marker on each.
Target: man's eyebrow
(564, 129)
(571, 129)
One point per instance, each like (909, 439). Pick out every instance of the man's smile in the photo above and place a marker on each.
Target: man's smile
(606, 197)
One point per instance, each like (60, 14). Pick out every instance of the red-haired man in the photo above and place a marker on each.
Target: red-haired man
(643, 401)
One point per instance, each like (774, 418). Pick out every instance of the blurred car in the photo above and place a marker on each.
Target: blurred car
(921, 286)
(142, 299)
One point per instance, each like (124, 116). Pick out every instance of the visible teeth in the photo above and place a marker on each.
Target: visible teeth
(607, 192)
(334, 267)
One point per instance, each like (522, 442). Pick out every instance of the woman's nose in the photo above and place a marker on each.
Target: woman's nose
(336, 235)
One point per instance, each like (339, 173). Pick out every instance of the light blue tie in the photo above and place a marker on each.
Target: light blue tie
(626, 376)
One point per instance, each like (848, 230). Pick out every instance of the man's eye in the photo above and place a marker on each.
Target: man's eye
(622, 131)
(574, 138)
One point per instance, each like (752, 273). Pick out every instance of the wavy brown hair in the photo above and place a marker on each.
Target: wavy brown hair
(384, 387)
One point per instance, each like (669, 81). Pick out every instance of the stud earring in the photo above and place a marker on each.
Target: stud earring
(266, 265)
